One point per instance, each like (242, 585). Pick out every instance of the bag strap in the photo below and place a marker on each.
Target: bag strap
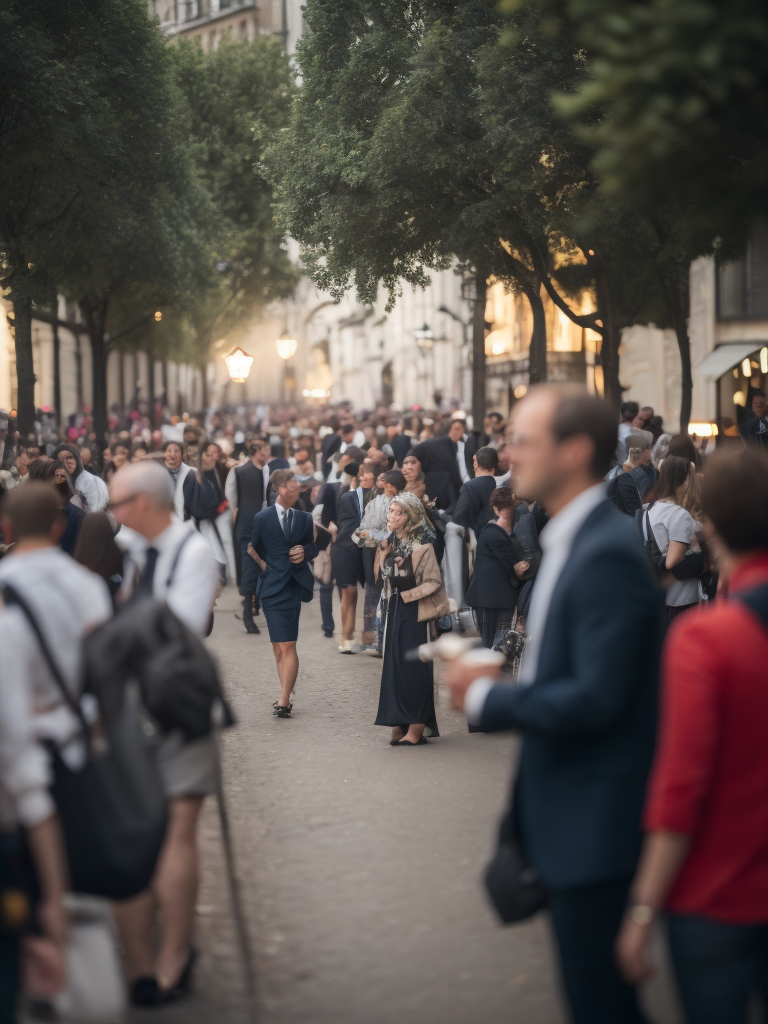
(176, 557)
(757, 601)
(11, 596)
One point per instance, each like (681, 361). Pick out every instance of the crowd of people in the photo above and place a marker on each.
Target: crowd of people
(582, 537)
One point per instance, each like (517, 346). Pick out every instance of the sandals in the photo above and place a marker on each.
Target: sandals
(279, 711)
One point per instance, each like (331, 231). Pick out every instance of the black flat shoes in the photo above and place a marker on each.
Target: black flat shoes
(407, 743)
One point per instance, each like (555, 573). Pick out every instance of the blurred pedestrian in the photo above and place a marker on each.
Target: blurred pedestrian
(705, 859)
(206, 506)
(93, 489)
(372, 531)
(247, 490)
(587, 701)
(473, 509)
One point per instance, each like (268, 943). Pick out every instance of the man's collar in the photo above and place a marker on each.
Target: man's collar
(571, 517)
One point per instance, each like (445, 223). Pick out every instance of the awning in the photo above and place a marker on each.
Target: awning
(725, 357)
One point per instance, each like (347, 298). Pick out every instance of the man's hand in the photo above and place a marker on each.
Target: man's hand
(251, 550)
(633, 952)
(521, 568)
(459, 676)
(296, 554)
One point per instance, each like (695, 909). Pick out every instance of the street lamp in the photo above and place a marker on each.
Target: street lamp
(286, 346)
(425, 339)
(238, 364)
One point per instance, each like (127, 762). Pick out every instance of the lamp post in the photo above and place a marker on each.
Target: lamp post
(286, 349)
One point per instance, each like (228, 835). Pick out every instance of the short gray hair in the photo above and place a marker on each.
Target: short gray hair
(150, 478)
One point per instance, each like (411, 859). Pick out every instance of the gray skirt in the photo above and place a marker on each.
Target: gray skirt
(188, 769)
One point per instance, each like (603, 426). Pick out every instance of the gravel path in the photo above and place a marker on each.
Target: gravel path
(359, 863)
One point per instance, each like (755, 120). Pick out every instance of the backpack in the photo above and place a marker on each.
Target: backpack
(652, 549)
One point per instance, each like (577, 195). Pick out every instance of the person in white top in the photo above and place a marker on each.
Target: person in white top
(177, 470)
(67, 601)
(162, 550)
(93, 489)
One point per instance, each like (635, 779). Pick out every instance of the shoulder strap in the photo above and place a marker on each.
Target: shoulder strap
(176, 557)
(11, 596)
(757, 601)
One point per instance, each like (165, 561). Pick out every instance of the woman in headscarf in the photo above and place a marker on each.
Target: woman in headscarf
(93, 489)
(414, 595)
(206, 506)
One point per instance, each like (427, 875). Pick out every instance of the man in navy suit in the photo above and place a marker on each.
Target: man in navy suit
(283, 540)
(586, 703)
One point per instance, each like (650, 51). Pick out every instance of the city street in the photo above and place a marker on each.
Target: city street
(359, 864)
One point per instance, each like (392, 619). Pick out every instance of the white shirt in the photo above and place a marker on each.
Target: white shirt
(93, 489)
(465, 477)
(195, 579)
(556, 541)
(68, 601)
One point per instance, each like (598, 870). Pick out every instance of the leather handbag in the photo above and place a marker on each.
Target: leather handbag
(113, 811)
(514, 888)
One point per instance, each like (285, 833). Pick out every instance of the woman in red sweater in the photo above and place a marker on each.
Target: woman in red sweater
(705, 859)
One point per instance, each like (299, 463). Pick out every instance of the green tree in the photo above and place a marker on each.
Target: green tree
(681, 90)
(238, 98)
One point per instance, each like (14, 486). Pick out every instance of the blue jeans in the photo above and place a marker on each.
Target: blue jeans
(719, 967)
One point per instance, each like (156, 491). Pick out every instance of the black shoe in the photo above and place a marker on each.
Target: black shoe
(250, 625)
(183, 986)
(327, 633)
(145, 992)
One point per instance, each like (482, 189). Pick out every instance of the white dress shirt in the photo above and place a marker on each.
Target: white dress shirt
(465, 477)
(556, 541)
(195, 579)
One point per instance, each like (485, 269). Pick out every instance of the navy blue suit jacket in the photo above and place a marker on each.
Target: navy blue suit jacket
(589, 717)
(269, 542)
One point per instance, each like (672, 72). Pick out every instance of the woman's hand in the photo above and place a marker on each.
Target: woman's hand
(633, 952)
(521, 568)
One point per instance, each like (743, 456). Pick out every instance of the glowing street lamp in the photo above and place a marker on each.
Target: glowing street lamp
(424, 337)
(238, 364)
(286, 346)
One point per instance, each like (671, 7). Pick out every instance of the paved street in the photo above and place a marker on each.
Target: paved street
(359, 863)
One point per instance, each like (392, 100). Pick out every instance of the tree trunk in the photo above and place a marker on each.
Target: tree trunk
(537, 352)
(151, 387)
(204, 388)
(56, 363)
(25, 367)
(121, 380)
(478, 351)
(166, 403)
(675, 284)
(95, 319)
(611, 333)
(79, 372)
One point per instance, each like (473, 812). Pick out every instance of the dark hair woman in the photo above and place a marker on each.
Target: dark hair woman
(413, 595)
(97, 550)
(206, 506)
(501, 565)
(670, 516)
(70, 500)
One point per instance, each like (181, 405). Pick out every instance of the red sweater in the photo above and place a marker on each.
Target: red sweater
(710, 777)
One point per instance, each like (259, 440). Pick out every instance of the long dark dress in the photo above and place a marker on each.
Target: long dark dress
(407, 695)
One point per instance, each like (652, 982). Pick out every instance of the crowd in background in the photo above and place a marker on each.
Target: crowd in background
(420, 515)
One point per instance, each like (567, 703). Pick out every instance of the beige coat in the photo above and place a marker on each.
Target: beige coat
(429, 591)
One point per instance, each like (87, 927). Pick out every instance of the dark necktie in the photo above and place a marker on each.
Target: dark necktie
(148, 574)
(287, 524)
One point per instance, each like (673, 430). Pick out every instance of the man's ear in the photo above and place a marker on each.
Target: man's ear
(59, 525)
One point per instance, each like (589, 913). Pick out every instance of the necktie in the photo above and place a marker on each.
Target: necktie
(287, 524)
(148, 574)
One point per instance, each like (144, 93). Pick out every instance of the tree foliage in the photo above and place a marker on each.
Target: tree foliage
(676, 105)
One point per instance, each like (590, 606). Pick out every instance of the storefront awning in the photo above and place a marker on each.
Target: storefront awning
(725, 357)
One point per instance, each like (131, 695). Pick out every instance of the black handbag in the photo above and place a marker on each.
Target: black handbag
(113, 812)
(514, 887)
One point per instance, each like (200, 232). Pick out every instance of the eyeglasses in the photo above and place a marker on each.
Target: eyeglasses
(124, 501)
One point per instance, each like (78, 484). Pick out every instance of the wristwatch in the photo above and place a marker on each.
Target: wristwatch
(642, 914)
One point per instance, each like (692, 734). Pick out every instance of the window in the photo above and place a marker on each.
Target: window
(742, 285)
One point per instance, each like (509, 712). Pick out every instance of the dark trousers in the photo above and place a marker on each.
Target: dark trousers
(9, 978)
(249, 572)
(719, 967)
(326, 605)
(586, 921)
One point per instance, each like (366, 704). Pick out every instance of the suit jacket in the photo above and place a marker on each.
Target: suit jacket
(349, 517)
(249, 480)
(589, 718)
(473, 509)
(494, 583)
(270, 544)
(441, 469)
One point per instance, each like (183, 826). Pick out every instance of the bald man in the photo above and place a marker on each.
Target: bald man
(173, 563)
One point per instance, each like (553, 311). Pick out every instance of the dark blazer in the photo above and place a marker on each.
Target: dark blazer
(250, 497)
(278, 463)
(349, 516)
(494, 583)
(330, 445)
(401, 444)
(755, 430)
(473, 509)
(589, 718)
(441, 469)
(270, 544)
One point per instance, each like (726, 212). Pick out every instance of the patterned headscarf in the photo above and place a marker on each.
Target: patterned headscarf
(418, 529)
